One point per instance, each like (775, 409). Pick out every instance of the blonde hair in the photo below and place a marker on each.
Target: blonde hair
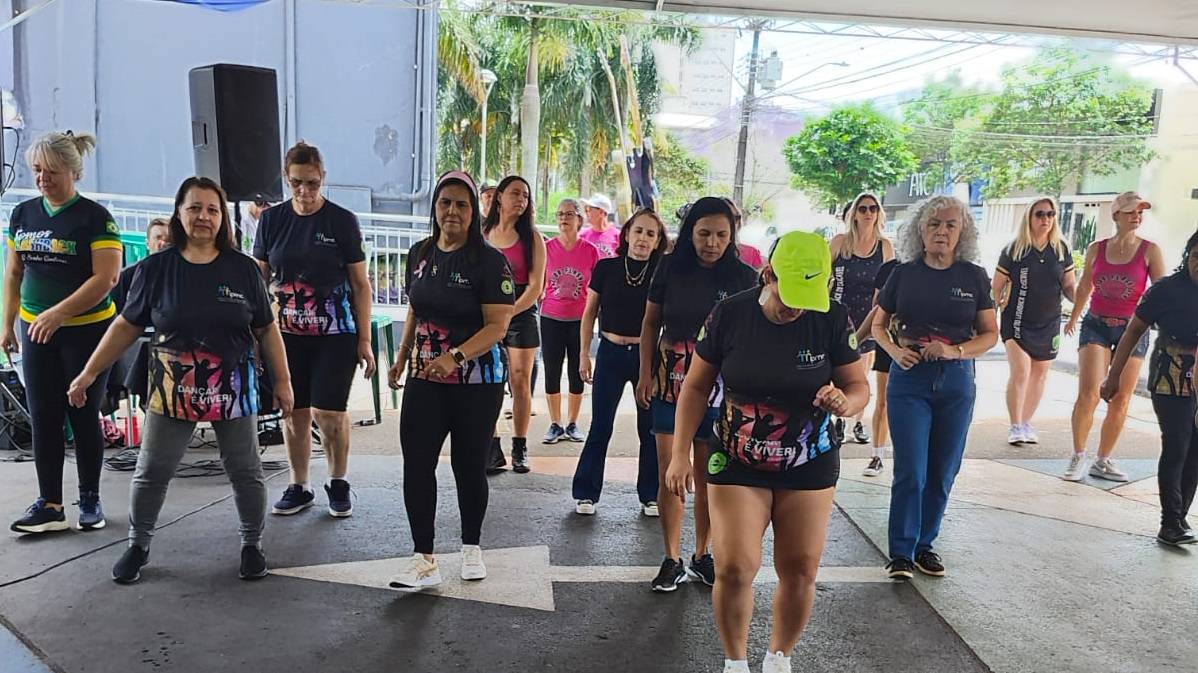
(849, 244)
(1023, 240)
(61, 151)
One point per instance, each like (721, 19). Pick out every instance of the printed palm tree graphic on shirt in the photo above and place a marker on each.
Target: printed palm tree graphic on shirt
(306, 308)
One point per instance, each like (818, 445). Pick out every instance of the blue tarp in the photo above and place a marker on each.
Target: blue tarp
(222, 5)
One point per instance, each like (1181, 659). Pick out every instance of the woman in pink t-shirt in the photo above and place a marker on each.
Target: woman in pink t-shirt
(569, 261)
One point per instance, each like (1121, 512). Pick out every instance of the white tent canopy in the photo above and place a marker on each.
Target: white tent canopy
(1169, 21)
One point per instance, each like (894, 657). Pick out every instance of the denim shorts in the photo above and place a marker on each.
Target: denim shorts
(663, 420)
(1107, 332)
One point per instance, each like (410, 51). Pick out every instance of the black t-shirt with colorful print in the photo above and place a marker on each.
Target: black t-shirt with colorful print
(55, 246)
(202, 364)
(1171, 304)
(936, 304)
(447, 291)
(771, 374)
(308, 256)
(686, 299)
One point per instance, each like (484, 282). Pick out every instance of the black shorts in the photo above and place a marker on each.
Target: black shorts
(322, 369)
(523, 331)
(882, 360)
(815, 475)
(1042, 343)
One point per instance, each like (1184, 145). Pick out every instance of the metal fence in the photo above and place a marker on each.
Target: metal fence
(387, 237)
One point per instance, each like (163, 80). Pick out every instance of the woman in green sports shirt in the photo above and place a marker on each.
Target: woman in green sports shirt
(64, 257)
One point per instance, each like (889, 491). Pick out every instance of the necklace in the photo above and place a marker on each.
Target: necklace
(635, 280)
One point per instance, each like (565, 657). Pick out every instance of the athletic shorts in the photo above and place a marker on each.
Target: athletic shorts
(322, 369)
(882, 361)
(1107, 332)
(664, 414)
(523, 331)
(1040, 344)
(815, 475)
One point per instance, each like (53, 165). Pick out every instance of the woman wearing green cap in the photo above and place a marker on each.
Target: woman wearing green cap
(943, 315)
(703, 269)
(789, 363)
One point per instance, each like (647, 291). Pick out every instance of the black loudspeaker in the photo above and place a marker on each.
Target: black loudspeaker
(235, 130)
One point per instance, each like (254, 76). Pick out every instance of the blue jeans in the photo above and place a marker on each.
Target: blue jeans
(930, 407)
(615, 366)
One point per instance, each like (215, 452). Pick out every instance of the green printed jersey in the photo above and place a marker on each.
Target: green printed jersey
(55, 246)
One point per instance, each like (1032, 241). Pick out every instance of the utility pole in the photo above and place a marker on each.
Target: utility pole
(746, 116)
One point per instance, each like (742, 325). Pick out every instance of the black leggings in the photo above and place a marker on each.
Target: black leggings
(560, 341)
(49, 369)
(430, 412)
(1177, 473)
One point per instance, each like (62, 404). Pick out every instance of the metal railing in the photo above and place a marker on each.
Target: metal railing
(387, 237)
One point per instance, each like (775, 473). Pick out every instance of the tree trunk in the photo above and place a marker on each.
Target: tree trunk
(513, 160)
(584, 179)
(530, 111)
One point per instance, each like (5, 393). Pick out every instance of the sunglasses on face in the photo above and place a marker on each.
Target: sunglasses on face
(1046, 213)
(311, 185)
(863, 209)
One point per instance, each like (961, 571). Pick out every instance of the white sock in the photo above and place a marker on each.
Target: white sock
(740, 666)
(304, 485)
(879, 452)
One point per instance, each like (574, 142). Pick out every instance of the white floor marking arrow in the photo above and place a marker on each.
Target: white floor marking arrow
(523, 577)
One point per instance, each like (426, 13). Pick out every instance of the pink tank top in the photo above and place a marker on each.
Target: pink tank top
(518, 261)
(1118, 287)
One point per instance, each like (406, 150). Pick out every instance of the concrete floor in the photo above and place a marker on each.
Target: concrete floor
(1044, 575)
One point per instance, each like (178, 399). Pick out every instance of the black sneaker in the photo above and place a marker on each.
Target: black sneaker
(900, 569)
(520, 455)
(91, 512)
(128, 568)
(929, 563)
(340, 505)
(672, 574)
(702, 569)
(295, 500)
(253, 563)
(1185, 525)
(40, 519)
(859, 434)
(1173, 534)
(497, 461)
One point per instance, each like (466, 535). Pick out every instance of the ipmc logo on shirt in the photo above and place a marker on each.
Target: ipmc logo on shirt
(325, 240)
(960, 294)
(459, 281)
(228, 295)
(805, 359)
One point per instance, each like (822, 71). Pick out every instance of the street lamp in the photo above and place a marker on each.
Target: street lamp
(488, 79)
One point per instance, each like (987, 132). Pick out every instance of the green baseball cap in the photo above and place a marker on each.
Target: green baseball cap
(803, 264)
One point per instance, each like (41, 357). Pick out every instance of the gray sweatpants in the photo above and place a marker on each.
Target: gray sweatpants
(163, 444)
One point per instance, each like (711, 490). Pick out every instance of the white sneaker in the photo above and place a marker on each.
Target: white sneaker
(416, 572)
(874, 468)
(1029, 434)
(1016, 437)
(774, 662)
(741, 666)
(1076, 469)
(584, 507)
(1104, 468)
(472, 563)
(650, 509)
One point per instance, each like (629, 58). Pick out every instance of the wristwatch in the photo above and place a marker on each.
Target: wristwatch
(458, 356)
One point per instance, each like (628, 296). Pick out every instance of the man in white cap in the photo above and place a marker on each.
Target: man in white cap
(600, 233)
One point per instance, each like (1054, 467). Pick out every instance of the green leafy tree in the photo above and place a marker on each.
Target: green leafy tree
(852, 149)
(680, 175)
(1057, 119)
(944, 108)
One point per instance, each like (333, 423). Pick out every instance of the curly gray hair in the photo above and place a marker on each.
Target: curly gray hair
(909, 246)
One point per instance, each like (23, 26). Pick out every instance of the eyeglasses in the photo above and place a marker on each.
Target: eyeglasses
(311, 185)
(863, 209)
(568, 213)
(1045, 213)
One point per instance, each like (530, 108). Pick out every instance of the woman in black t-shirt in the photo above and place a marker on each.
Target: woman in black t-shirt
(310, 250)
(939, 302)
(460, 296)
(617, 293)
(208, 307)
(64, 257)
(703, 269)
(1171, 305)
(787, 356)
(1033, 273)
